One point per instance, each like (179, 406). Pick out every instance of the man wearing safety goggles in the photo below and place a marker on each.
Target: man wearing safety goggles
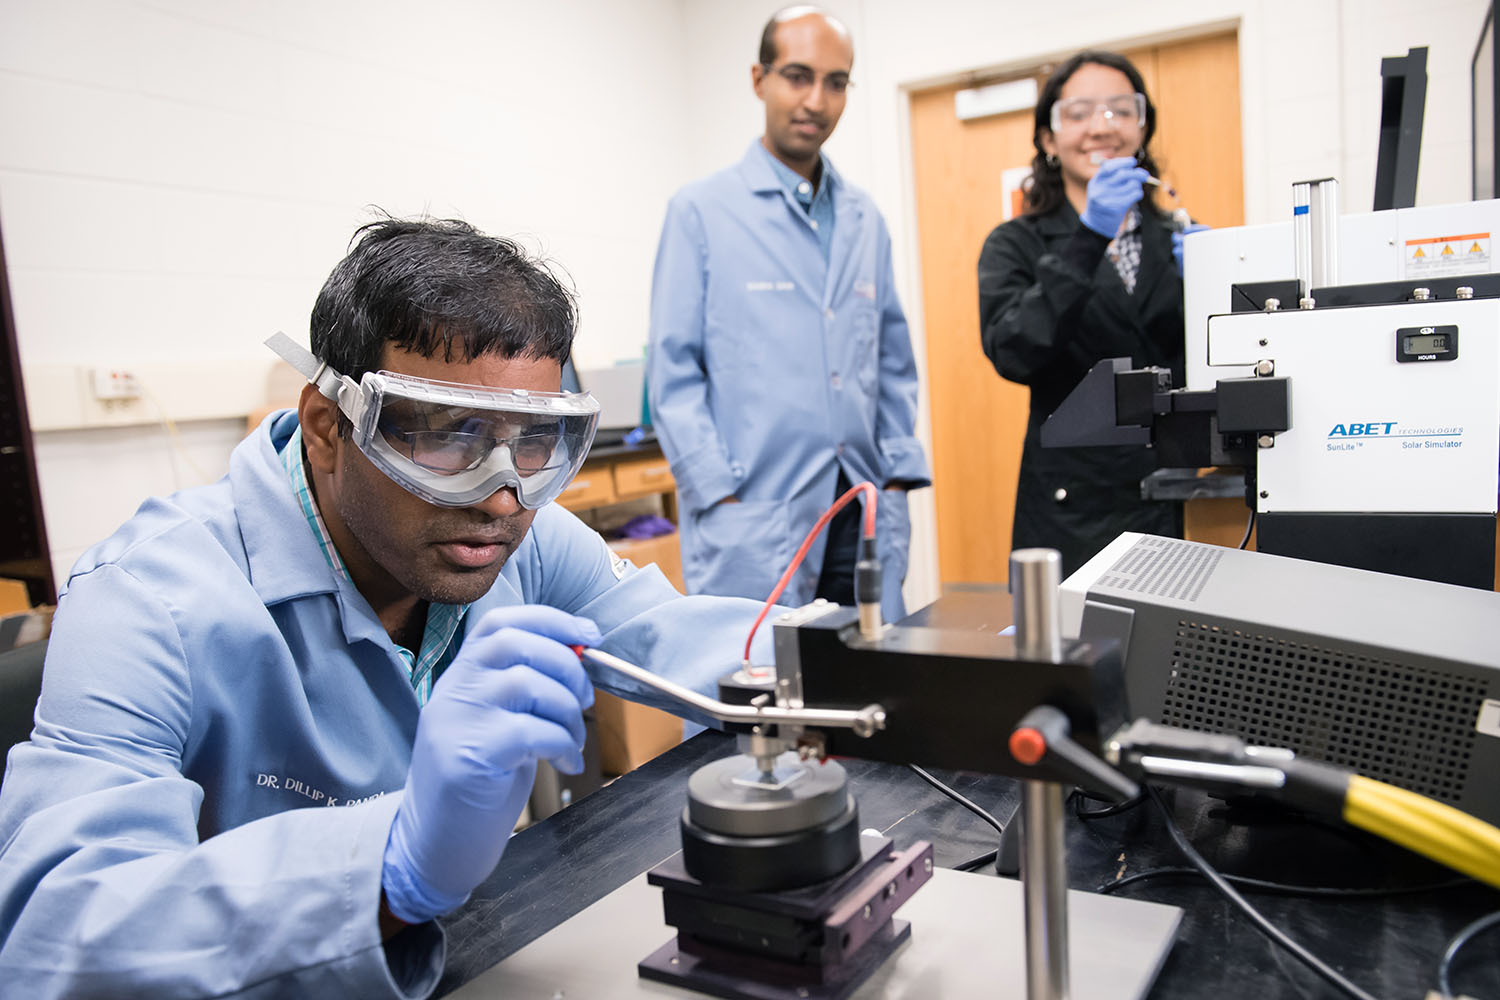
(370, 614)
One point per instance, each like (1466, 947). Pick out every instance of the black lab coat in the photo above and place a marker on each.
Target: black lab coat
(1051, 304)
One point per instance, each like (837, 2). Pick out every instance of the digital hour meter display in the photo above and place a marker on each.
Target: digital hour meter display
(1427, 343)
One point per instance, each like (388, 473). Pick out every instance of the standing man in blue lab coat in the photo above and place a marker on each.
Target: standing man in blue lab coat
(780, 366)
(290, 718)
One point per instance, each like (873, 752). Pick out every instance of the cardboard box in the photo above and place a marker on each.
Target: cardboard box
(13, 596)
(663, 550)
(631, 734)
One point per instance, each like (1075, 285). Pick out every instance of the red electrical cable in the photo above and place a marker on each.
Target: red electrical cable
(871, 495)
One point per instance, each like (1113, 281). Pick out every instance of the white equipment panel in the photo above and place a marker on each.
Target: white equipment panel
(1369, 433)
(1407, 244)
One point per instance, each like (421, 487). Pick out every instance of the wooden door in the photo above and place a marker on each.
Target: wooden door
(979, 419)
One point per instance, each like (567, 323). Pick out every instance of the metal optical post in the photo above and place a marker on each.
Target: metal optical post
(1034, 578)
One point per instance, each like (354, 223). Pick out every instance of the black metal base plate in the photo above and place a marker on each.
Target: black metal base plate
(721, 973)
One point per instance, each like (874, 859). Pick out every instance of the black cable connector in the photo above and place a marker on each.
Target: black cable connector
(867, 573)
(867, 590)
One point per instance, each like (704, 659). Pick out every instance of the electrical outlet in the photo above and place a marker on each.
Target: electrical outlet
(115, 383)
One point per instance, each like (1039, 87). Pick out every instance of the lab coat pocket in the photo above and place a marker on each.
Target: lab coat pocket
(742, 548)
(893, 535)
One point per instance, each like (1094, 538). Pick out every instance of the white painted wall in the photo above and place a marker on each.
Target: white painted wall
(178, 176)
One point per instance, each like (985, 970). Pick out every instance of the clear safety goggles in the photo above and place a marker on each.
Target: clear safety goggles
(1122, 110)
(455, 445)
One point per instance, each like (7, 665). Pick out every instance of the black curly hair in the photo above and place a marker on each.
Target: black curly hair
(1045, 190)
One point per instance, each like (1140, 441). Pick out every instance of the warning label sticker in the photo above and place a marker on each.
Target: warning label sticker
(1436, 256)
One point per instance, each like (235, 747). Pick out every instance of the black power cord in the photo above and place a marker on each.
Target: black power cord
(1463, 937)
(1283, 888)
(1249, 527)
(1270, 930)
(975, 863)
(977, 810)
(959, 798)
(1113, 809)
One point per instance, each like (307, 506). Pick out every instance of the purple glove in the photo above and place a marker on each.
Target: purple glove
(1177, 235)
(1112, 191)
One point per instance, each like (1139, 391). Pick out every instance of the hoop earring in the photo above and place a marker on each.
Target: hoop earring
(1052, 160)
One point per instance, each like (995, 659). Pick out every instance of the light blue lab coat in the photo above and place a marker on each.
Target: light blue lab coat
(222, 739)
(770, 370)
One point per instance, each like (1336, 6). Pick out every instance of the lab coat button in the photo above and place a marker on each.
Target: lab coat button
(804, 188)
(1059, 495)
(828, 313)
(813, 223)
(835, 381)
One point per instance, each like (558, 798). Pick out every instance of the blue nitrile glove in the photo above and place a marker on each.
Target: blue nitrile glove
(1177, 235)
(514, 695)
(1112, 190)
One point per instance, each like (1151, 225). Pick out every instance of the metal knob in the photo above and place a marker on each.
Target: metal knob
(1272, 305)
(1464, 292)
(1306, 302)
(1265, 368)
(1421, 294)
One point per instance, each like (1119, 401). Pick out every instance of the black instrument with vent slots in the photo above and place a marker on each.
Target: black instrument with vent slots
(1395, 678)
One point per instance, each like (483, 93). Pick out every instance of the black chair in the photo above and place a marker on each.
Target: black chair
(20, 685)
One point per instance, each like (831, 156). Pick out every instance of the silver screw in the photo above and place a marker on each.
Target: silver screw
(1421, 294)
(1265, 367)
(1266, 441)
(1264, 342)
(1265, 494)
(1272, 305)
(927, 864)
(1306, 302)
(1464, 292)
(867, 911)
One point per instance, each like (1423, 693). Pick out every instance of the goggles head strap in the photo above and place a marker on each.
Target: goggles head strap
(328, 381)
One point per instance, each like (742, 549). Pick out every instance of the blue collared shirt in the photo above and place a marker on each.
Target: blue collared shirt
(817, 203)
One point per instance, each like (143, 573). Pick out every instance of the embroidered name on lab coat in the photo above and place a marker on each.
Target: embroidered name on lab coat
(865, 290)
(282, 782)
(770, 286)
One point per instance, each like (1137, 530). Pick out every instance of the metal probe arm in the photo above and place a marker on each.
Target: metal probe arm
(863, 721)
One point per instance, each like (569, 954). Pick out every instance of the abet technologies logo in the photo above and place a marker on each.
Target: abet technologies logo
(1374, 428)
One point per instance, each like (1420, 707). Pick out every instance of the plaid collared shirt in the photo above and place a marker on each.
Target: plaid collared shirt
(438, 647)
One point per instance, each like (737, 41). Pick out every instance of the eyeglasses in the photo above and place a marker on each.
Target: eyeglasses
(802, 77)
(1120, 111)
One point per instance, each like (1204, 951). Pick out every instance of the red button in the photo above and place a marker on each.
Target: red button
(1027, 746)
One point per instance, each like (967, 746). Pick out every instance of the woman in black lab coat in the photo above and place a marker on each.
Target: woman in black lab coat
(1087, 273)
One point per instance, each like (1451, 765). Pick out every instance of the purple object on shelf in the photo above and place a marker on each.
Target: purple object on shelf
(647, 526)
